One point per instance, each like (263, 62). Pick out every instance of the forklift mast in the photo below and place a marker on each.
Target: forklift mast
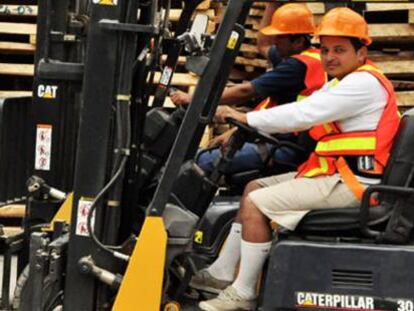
(56, 89)
(90, 99)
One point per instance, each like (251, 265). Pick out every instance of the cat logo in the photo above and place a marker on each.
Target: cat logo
(47, 91)
(198, 237)
(106, 2)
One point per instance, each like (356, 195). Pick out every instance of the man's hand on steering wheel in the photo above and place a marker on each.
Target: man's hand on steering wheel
(225, 112)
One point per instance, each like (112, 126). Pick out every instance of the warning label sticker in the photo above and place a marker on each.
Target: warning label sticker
(43, 147)
(84, 208)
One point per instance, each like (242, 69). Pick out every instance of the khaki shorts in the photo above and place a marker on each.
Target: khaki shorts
(287, 200)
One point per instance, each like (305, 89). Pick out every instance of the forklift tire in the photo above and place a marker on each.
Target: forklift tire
(52, 294)
(19, 289)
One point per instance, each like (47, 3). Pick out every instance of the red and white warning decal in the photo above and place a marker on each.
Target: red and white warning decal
(43, 147)
(84, 208)
(166, 76)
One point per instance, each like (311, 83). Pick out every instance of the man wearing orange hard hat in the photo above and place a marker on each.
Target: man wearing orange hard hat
(297, 72)
(353, 118)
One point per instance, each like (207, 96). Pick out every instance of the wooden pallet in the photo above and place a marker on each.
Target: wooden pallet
(17, 47)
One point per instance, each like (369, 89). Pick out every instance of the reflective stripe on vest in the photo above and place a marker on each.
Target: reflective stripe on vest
(321, 170)
(354, 143)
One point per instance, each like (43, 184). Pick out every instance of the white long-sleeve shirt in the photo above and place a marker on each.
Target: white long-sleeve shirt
(355, 103)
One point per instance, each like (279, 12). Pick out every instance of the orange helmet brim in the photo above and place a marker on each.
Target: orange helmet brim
(270, 31)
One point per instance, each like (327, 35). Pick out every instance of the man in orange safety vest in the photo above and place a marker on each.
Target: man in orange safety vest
(353, 118)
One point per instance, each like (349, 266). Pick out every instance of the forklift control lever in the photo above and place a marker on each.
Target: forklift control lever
(87, 266)
(191, 42)
(38, 188)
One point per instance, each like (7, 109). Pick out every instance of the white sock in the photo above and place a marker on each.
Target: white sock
(224, 267)
(253, 256)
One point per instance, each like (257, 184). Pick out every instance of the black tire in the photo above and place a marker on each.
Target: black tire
(22, 299)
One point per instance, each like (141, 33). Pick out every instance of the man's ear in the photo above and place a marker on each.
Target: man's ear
(362, 54)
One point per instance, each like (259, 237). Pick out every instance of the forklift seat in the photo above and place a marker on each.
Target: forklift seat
(399, 172)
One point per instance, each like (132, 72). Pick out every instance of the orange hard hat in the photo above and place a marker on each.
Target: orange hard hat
(290, 19)
(344, 22)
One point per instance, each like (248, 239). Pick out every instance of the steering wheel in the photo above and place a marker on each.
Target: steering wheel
(254, 133)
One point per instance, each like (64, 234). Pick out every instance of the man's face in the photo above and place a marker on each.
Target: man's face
(284, 45)
(339, 57)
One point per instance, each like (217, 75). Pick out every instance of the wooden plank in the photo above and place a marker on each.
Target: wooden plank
(390, 32)
(376, 56)
(12, 211)
(397, 67)
(205, 5)
(256, 12)
(19, 10)
(405, 98)
(176, 13)
(249, 48)
(7, 94)
(259, 5)
(18, 28)
(317, 7)
(17, 47)
(179, 79)
(17, 69)
(181, 60)
(261, 63)
(251, 34)
(11, 231)
(411, 17)
(389, 6)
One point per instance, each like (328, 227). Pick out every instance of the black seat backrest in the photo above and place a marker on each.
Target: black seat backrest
(400, 167)
(399, 172)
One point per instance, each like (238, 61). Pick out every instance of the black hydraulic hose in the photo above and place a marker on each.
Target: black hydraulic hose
(108, 248)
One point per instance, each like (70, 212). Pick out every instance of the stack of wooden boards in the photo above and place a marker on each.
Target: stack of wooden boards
(391, 27)
(17, 46)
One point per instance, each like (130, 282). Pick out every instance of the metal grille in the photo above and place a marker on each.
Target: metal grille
(352, 279)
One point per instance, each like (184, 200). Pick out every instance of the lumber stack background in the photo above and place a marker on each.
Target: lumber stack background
(391, 27)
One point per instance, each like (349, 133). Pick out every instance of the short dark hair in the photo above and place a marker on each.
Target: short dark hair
(306, 39)
(356, 43)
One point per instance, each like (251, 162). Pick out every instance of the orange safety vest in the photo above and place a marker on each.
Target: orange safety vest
(333, 145)
(315, 77)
